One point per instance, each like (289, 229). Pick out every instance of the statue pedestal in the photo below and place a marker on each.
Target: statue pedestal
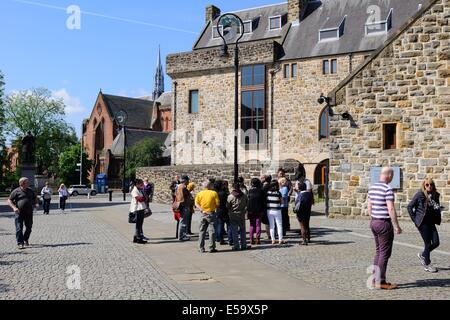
(29, 172)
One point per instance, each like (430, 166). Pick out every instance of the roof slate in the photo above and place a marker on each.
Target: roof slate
(139, 111)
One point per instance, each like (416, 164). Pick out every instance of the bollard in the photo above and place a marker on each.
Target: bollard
(110, 195)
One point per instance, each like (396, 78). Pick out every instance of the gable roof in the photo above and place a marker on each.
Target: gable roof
(139, 111)
(260, 18)
(393, 36)
(135, 136)
(302, 41)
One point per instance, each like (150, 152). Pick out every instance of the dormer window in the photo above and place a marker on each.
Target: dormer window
(248, 27)
(215, 32)
(330, 34)
(275, 23)
(380, 27)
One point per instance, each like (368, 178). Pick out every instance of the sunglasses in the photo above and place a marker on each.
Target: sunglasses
(429, 185)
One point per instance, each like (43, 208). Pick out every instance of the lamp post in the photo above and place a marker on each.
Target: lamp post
(230, 27)
(121, 119)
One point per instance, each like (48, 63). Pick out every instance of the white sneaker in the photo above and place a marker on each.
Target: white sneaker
(422, 259)
(431, 269)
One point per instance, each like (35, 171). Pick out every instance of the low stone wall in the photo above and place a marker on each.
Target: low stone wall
(162, 176)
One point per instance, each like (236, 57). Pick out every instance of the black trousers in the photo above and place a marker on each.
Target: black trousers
(62, 203)
(47, 206)
(139, 224)
(286, 221)
(430, 238)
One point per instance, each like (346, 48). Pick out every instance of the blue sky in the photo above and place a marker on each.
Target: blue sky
(38, 50)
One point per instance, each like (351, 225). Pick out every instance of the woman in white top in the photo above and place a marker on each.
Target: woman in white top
(138, 205)
(46, 194)
(63, 196)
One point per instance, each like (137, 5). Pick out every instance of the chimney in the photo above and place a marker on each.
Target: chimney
(296, 8)
(212, 12)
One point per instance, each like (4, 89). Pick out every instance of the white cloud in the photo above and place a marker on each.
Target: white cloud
(73, 104)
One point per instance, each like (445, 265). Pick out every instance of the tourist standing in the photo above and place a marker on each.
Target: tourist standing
(190, 187)
(425, 212)
(255, 210)
(174, 185)
(46, 194)
(242, 185)
(63, 196)
(21, 202)
(237, 208)
(284, 191)
(138, 206)
(148, 192)
(383, 223)
(207, 201)
(274, 200)
(303, 205)
(266, 180)
(222, 213)
(184, 200)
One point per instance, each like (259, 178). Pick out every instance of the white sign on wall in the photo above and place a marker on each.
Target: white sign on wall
(375, 177)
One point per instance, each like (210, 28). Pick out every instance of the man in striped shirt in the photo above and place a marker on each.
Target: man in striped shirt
(383, 224)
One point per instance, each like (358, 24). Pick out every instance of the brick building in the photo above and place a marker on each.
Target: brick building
(103, 137)
(290, 53)
(398, 106)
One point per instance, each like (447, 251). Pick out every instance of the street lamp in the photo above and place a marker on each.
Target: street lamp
(121, 118)
(230, 27)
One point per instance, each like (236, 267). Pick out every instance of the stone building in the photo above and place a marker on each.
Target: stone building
(396, 108)
(290, 53)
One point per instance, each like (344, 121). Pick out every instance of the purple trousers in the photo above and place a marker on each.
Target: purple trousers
(384, 240)
(255, 226)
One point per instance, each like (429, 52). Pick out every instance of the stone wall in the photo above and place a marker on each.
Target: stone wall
(407, 84)
(162, 176)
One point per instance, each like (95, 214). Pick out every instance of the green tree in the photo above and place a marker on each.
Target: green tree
(37, 111)
(68, 161)
(146, 153)
(4, 165)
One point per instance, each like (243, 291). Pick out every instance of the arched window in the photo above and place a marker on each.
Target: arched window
(324, 124)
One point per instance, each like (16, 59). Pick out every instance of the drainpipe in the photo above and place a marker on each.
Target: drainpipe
(174, 121)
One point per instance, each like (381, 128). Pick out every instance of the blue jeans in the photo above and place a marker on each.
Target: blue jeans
(220, 223)
(239, 234)
(139, 232)
(182, 230)
(20, 221)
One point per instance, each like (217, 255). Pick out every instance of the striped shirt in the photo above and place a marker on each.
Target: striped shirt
(379, 194)
(273, 200)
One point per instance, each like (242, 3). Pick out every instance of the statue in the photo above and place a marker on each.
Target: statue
(28, 144)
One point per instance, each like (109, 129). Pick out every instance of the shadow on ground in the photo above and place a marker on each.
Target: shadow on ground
(440, 283)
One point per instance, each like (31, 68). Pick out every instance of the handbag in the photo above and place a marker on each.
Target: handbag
(132, 217)
(147, 213)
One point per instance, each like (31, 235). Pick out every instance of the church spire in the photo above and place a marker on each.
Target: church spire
(158, 88)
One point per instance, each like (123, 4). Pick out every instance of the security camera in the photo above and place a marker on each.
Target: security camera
(323, 99)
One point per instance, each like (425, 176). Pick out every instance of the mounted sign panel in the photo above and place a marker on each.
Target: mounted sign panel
(375, 177)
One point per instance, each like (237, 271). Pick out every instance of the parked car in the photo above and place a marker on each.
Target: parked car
(81, 190)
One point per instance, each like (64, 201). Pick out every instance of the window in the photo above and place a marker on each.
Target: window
(193, 101)
(390, 136)
(324, 125)
(286, 71)
(329, 66)
(215, 32)
(294, 71)
(275, 23)
(248, 27)
(326, 66)
(379, 27)
(332, 32)
(253, 104)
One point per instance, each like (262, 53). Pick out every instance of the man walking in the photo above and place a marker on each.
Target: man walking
(207, 201)
(21, 202)
(46, 194)
(383, 224)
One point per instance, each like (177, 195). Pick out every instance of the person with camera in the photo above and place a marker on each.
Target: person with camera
(425, 212)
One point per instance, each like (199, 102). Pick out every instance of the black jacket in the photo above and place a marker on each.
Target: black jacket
(418, 206)
(255, 207)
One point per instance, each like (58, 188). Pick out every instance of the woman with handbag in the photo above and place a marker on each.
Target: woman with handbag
(138, 210)
(303, 205)
(425, 212)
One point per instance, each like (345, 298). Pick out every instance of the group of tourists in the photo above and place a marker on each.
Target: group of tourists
(224, 210)
(424, 210)
(46, 196)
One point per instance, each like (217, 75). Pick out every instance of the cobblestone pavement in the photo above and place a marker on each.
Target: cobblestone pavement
(111, 267)
(342, 251)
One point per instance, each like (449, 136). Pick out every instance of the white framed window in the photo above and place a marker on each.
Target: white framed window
(294, 70)
(248, 27)
(380, 27)
(331, 34)
(275, 23)
(215, 32)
